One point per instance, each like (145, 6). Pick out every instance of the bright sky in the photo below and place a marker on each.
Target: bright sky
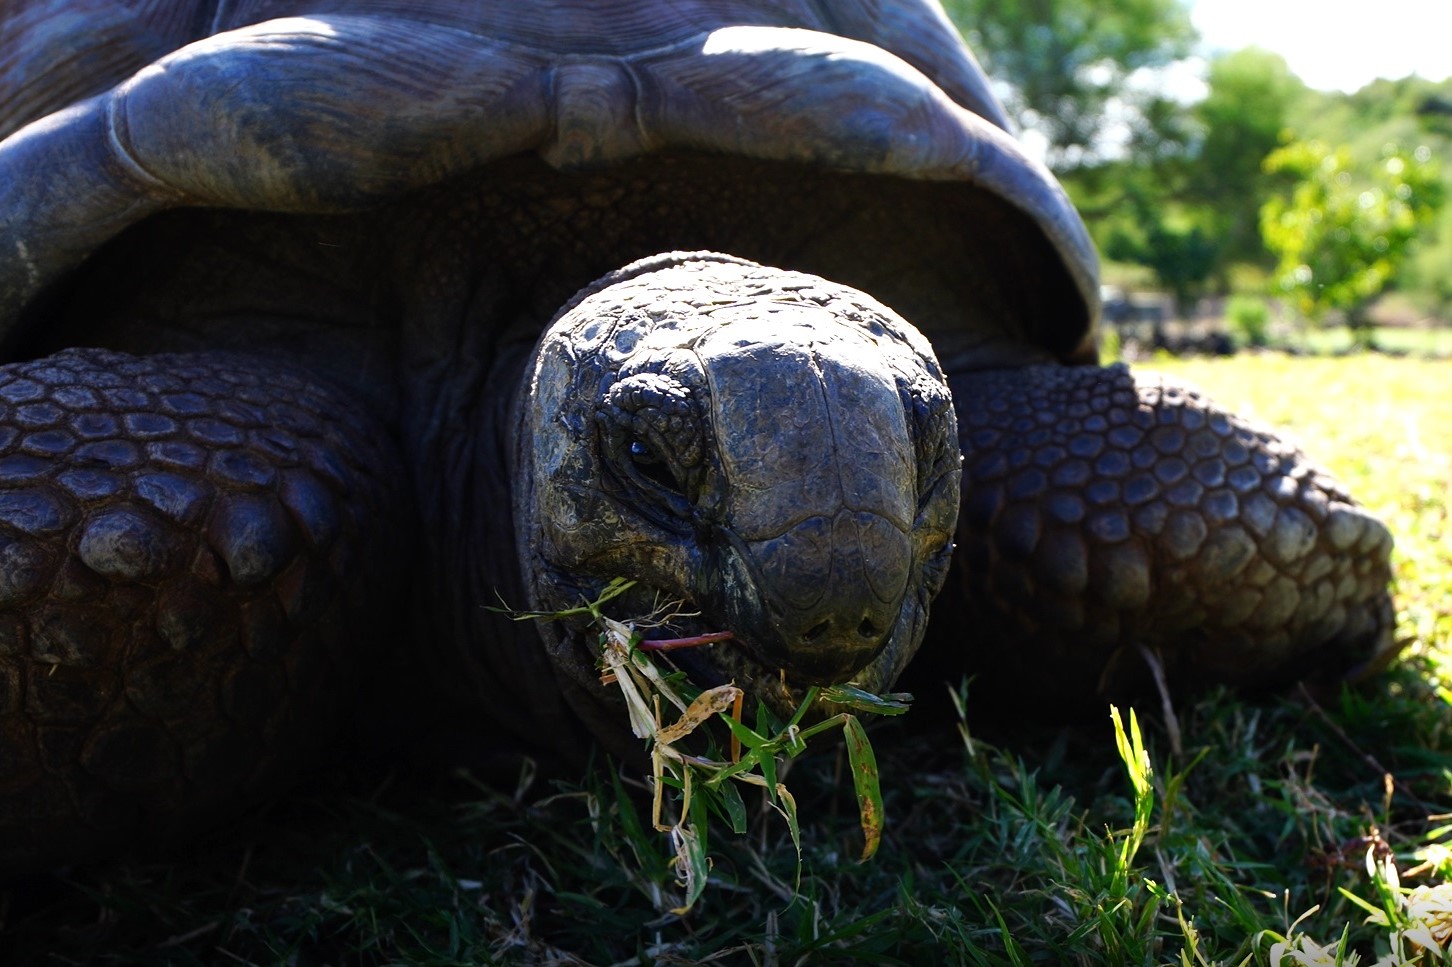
(1336, 44)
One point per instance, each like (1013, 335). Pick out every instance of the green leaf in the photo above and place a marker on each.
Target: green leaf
(787, 803)
(858, 700)
(693, 867)
(768, 772)
(748, 762)
(726, 800)
(766, 721)
(696, 778)
(807, 702)
(865, 782)
(588, 609)
(653, 863)
(749, 737)
(1132, 752)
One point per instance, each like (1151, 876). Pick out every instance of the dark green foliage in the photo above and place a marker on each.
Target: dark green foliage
(1177, 187)
(1413, 112)
(1042, 854)
(1186, 205)
(1244, 116)
(1180, 252)
(1342, 231)
(1064, 59)
(1249, 319)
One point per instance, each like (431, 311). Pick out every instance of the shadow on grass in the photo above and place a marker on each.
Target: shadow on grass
(1009, 851)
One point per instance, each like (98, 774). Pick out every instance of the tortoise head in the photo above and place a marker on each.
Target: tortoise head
(777, 453)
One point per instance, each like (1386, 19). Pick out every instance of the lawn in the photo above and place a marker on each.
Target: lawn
(1005, 843)
(1433, 341)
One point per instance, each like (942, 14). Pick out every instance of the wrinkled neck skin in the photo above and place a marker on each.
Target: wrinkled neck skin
(779, 460)
(476, 670)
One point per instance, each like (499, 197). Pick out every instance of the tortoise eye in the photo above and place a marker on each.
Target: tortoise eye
(652, 436)
(650, 466)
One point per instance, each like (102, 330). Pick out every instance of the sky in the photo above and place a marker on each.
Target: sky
(1335, 44)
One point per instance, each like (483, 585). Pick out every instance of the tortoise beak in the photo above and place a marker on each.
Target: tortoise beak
(829, 591)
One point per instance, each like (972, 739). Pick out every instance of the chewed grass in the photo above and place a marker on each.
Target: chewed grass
(666, 710)
(1291, 830)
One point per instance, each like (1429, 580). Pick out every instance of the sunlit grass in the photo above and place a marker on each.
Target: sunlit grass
(1291, 830)
(1433, 341)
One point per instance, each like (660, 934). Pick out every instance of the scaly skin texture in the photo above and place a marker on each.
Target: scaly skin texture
(192, 555)
(1104, 513)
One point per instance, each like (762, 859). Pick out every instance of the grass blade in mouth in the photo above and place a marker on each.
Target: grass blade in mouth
(672, 644)
(703, 781)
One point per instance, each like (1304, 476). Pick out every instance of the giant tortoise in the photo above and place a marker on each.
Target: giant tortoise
(331, 324)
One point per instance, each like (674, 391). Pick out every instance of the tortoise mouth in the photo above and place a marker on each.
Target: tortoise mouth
(729, 661)
(687, 639)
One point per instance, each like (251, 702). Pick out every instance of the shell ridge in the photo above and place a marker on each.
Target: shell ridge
(118, 136)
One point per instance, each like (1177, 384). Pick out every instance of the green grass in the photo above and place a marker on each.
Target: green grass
(1435, 341)
(1004, 844)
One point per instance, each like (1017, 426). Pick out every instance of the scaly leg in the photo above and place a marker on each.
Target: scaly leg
(1103, 515)
(192, 562)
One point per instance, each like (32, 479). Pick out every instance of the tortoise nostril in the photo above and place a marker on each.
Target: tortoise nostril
(833, 647)
(867, 629)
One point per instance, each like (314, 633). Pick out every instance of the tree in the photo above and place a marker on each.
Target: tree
(1185, 200)
(1189, 209)
(1171, 243)
(1248, 106)
(1060, 62)
(1340, 235)
(1409, 111)
(1429, 268)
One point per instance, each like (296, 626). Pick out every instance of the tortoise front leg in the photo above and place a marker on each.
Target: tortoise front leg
(1102, 514)
(192, 555)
